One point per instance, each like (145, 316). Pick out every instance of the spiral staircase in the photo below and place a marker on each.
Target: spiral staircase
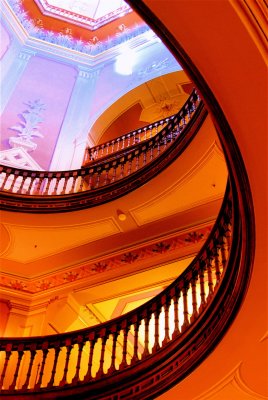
(145, 352)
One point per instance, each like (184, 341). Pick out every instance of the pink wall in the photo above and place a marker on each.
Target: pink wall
(4, 42)
(52, 83)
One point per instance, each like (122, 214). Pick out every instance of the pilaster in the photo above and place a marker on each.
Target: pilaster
(13, 74)
(70, 147)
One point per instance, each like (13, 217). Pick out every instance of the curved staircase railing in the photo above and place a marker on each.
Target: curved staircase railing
(107, 177)
(136, 353)
(142, 134)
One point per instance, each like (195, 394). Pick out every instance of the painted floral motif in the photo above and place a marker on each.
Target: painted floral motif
(161, 247)
(18, 285)
(44, 285)
(129, 258)
(87, 270)
(99, 267)
(71, 276)
(194, 237)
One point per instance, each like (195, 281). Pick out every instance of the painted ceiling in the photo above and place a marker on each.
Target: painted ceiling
(90, 27)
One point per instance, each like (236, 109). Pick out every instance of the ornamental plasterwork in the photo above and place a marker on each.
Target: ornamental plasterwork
(93, 47)
(91, 13)
(28, 126)
(90, 269)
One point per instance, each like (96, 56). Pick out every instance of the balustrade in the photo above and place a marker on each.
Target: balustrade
(89, 355)
(112, 162)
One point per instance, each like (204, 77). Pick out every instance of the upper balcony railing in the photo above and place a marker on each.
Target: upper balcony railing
(141, 349)
(115, 169)
(132, 138)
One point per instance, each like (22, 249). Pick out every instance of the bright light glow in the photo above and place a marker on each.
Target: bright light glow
(125, 62)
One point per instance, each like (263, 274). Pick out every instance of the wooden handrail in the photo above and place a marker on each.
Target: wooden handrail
(80, 360)
(106, 178)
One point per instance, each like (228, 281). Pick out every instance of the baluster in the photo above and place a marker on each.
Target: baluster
(122, 168)
(158, 147)
(80, 342)
(146, 335)
(92, 342)
(118, 144)
(185, 287)
(209, 261)
(216, 254)
(66, 180)
(20, 355)
(69, 346)
(58, 178)
(129, 165)
(136, 338)
(96, 153)
(166, 304)
(45, 353)
(107, 148)
(75, 177)
(114, 171)
(90, 181)
(145, 134)
(23, 179)
(115, 334)
(14, 179)
(28, 375)
(104, 338)
(156, 128)
(5, 180)
(137, 158)
(134, 138)
(39, 183)
(176, 297)
(33, 176)
(98, 178)
(8, 354)
(53, 372)
(139, 137)
(151, 131)
(144, 156)
(106, 177)
(156, 330)
(49, 179)
(193, 280)
(128, 140)
(224, 251)
(151, 151)
(113, 142)
(102, 150)
(202, 286)
(123, 142)
(83, 180)
(125, 328)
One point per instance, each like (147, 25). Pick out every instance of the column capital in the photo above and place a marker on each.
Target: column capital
(26, 54)
(88, 73)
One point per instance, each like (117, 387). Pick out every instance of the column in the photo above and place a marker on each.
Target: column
(13, 75)
(67, 154)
